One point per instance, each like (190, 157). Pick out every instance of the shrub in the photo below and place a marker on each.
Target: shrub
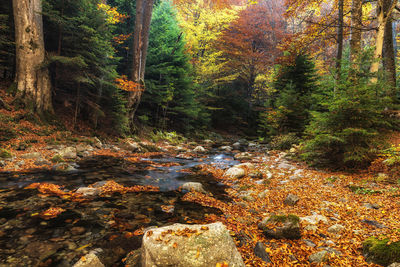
(289, 109)
(286, 141)
(348, 131)
(5, 154)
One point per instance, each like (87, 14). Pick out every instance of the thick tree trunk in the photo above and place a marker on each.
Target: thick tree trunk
(33, 81)
(356, 36)
(389, 63)
(339, 40)
(383, 14)
(144, 10)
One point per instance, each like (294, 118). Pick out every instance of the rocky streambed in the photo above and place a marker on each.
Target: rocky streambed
(112, 223)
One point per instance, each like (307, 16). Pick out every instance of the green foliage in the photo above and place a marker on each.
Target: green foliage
(171, 137)
(57, 158)
(348, 129)
(381, 252)
(5, 154)
(7, 45)
(170, 95)
(284, 142)
(82, 62)
(289, 109)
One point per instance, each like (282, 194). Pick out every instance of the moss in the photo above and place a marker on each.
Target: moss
(12, 89)
(284, 218)
(7, 134)
(5, 154)
(380, 252)
(57, 158)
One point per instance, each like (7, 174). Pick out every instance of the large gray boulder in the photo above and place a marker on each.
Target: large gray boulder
(183, 245)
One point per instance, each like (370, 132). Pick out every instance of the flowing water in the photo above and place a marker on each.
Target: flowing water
(104, 222)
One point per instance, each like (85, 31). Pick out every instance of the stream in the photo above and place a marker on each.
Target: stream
(105, 222)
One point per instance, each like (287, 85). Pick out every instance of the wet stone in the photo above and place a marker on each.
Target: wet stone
(260, 252)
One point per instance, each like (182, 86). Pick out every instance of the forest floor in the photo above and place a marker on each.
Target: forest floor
(44, 221)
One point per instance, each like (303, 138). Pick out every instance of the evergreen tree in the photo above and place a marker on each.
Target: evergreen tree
(290, 106)
(78, 38)
(7, 45)
(351, 128)
(170, 94)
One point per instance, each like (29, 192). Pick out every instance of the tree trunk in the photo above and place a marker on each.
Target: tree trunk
(33, 81)
(356, 35)
(383, 14)
(340, 40)
(144, 10)
(388, 55)
(146, 31)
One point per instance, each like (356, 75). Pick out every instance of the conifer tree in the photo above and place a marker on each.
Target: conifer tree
(169, 95)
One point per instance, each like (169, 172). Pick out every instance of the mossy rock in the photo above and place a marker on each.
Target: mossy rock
(149, 148)
(57, 158)
(5, 154)
(380, 252)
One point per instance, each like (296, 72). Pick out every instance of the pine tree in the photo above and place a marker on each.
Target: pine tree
(170, 93)
(290, 106)
(7, 44)
(78, 38)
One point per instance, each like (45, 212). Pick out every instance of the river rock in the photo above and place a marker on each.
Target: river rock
(263, 194)
(32, 155)
(184, 156)
(237, 146)
(41, 161)
(318, 257)
(246, 165)
(68, 153)
(89, 260)
(371, 206)
(314, 219)
(193, 186)
(373, 223)
(191, 245)
(208, 142)
(88, 191)
(260, 252)
(65, 167)
(199, 149)
(133, 259)
(243, 156)
(97, 143)
(291, 200)
(130, 145)
(235, 172)
(336, 229)
(226, 148)
(281, 227)
(80, 148)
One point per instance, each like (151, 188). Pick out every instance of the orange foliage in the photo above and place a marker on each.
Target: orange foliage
(51, 213)
(124, 84)
(250, 44)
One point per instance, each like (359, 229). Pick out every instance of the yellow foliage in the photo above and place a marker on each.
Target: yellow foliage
(202, 28)
(113, 16)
